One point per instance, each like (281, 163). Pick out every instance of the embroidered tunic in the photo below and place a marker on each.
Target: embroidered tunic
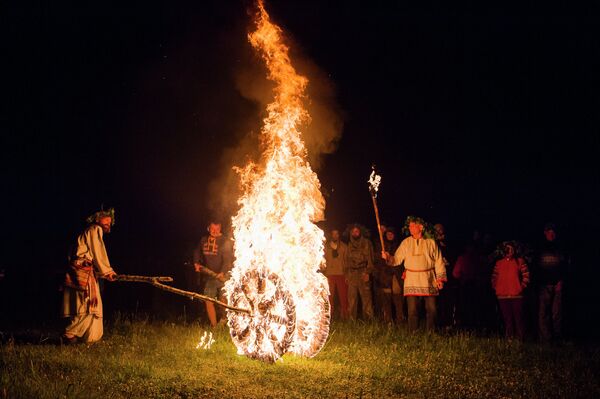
(82, 303)
(90, 248)
(424, 265)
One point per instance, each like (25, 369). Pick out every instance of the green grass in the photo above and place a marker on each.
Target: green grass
(142, 359)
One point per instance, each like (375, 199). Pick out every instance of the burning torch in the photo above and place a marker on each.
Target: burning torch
(374, 181)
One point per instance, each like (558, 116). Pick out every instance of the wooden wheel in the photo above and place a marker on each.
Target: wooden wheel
(311, 335)
(267, 333)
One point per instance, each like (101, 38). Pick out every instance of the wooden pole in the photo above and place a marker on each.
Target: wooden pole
(156, 281)
(378, 223)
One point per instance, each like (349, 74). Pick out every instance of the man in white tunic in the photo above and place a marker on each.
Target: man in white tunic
(82, 303)
(425, 272)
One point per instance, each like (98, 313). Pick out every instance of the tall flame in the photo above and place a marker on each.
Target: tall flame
(278, 248)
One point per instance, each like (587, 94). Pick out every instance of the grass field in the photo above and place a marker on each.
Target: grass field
(159, 360)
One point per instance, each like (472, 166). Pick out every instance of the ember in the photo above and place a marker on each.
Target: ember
(206, 341)
(278, 248)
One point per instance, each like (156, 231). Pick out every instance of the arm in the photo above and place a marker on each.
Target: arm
(343, 251)
(399, 255)
(439, 264)
(100, 257)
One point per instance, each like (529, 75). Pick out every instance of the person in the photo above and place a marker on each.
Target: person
(549, 274)
(509, 278)
(335, 270)
(88, 261)
(425, 271)
(447, 298)
(359, 266)
(473, 283)
(213, 257)
(388, 289)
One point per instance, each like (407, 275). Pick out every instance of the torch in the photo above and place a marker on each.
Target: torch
(374, 181)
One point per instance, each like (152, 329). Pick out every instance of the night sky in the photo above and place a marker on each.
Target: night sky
(480, 118)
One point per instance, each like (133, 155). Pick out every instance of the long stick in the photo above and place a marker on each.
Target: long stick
(191, 295)
(143, 279)
(377, 218)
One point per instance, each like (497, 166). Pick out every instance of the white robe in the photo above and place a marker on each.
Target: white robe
(86, 321)
(424, 264)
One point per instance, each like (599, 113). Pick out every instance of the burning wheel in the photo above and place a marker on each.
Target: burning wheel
(311, 335)
(267, 333)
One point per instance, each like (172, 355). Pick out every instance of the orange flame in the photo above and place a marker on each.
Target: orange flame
(278, 248)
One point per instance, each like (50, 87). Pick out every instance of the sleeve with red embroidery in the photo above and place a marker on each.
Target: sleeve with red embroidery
(439, 263)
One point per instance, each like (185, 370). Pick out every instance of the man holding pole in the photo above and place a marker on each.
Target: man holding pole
(213, 257)
(425, 271)
(82, 302)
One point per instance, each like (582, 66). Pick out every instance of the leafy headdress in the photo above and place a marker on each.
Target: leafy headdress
(93, 218)
(428, 230)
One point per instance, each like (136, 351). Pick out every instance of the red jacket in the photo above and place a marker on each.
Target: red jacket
(510, 277)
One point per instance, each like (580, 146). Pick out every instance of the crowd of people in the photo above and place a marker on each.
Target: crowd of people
(482, 288)
(395, 280)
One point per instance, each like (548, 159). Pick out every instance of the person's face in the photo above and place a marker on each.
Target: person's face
(550, 235)
(105, 222)
(214, 229)
(415, 229)
(355, 232)
(509, 251)
(439, 232)
(335, 235)
(389, 235)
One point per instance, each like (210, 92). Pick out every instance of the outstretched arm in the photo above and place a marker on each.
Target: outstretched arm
(96, 245)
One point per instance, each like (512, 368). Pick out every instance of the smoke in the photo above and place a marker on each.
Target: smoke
(321, 135)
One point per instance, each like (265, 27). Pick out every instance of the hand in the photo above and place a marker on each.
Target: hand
(440, 284)
(197, 267)
(221, 277)
(112, 276)
(385, 256)
(365, 277)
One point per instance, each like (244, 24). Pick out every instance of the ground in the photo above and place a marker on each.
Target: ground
(138, 358)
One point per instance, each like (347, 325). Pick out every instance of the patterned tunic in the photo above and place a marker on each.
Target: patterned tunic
(424, 265)
(89, 248)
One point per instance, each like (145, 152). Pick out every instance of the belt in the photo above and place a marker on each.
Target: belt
(419, 271)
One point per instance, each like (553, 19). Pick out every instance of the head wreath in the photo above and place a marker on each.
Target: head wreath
(428, 231)
(93, 218)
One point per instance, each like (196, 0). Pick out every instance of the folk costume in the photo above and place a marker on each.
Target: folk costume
(424, 268)
(423, 263)
(82, 302)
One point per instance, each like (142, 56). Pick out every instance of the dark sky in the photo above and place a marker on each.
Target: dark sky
(476, 117)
